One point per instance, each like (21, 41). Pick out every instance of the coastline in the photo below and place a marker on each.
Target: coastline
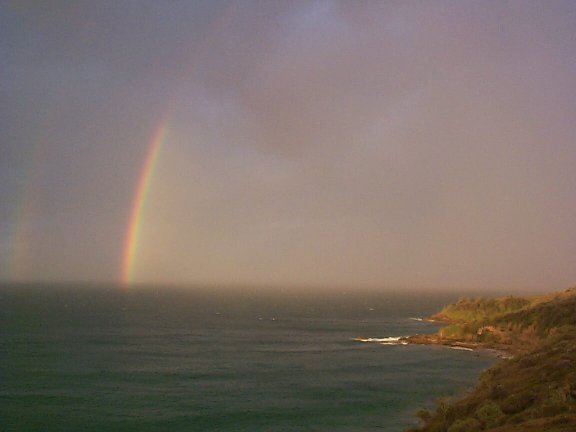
(501, 351)
(532, 387)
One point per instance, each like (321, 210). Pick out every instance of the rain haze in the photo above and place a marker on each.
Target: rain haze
(306, 143)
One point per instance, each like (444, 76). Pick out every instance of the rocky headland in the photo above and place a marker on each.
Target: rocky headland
(533, 387)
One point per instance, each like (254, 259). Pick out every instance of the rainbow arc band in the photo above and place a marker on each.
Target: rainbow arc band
(132, 237)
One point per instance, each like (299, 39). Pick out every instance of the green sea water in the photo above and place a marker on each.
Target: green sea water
(99, 358)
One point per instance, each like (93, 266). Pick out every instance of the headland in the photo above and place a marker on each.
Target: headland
(533, 387)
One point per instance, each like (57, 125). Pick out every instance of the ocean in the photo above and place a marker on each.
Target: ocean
(102, 358)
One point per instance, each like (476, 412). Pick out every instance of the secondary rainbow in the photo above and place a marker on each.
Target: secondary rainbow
(132, 236)
(24, 217)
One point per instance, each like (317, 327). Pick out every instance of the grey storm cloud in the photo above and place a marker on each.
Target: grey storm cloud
(377, 144)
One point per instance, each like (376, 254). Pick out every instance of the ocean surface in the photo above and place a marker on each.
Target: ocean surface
(101, 358)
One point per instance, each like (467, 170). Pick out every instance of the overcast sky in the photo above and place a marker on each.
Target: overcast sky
(350, 143)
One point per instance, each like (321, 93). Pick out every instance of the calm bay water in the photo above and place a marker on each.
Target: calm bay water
(156, 359)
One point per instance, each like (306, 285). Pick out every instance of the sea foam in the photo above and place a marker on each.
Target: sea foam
(384, 341)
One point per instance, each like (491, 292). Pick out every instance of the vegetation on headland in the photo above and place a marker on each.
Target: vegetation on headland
(535, 390)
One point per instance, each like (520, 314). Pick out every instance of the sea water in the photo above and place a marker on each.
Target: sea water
(77, 358)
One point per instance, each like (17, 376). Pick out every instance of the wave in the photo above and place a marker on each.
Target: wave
(462, 348)
(384, 341)
(417, 319)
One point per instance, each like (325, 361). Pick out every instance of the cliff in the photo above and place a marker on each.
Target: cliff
(535, 390)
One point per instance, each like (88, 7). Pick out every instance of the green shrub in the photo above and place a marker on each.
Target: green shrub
(517, 402)
(557, 396)
(457, 411)
(498, 392)
(489, 414)
(424, 415)
(465, 425)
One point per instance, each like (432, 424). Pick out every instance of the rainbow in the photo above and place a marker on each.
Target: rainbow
(24, 217)
(19, 240)
(132, 235)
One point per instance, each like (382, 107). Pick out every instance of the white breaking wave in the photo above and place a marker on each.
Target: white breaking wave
(384, 341)
(417, 319)
(462, 348)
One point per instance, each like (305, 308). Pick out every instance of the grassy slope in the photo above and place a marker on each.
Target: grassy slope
(535, 391)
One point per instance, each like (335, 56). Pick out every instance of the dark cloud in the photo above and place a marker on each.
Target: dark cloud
(313, 142)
